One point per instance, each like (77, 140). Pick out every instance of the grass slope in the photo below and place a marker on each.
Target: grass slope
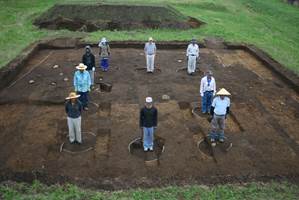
(256, 191)
(271, 25)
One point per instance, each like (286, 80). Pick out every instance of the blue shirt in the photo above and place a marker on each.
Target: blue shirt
(150, 48)
(220, 105)
(73, 110)
(82, 81)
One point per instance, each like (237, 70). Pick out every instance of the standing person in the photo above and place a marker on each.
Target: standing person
(207, 91)
(148, 122)
(73, 109)
(219, 111)
(82, 84)
(104, 54)
(192, 55)
(150, 52)
(88, 59)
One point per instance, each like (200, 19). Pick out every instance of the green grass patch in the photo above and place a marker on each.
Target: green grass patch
(255, 191)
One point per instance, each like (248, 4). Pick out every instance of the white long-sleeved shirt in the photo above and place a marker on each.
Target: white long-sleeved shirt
(206, 85)
(192, 50)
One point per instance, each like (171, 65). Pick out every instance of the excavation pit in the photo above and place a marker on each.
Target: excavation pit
(105, 87)
(263, 129)
(135, 148)
(88, 143)
(93, 17)
(184, 105)
(205, 146)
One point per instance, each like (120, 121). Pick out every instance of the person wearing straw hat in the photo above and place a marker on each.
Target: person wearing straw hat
(104, 52)
(82, 84)
(73, 109)
(207, 91)
(150, 52)
(148, 122)
(219, 111)
(88, 59)
(192, 56)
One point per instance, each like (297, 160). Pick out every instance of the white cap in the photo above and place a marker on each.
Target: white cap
(148, 99)
(150, 39)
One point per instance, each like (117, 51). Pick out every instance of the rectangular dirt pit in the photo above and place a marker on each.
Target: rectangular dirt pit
(260, 150)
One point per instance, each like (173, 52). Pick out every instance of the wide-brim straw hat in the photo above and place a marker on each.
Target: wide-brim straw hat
(81, 66)
(223, 92)
(72, 95)
(150, 39)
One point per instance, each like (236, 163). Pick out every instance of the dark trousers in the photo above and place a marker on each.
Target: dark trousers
(83, 98)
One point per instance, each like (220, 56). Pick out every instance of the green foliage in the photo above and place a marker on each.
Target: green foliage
(254, 191)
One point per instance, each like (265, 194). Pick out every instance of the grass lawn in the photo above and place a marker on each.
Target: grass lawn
(271, 25)
(254, 191)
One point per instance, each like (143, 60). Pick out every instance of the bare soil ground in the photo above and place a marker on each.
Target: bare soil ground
(80, 17)
(263, 126)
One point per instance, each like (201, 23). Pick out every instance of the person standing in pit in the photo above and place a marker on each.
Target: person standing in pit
(88, 59)
(82, 84)
(148, 122)
(150, 52)
(192, 56)
(104, 52)
(207, 91)
(219, 111)
(73, 109)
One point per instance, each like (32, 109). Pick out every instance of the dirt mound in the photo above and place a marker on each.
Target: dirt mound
(78, 17)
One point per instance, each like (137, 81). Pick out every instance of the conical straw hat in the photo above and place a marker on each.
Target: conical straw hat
(223, 92)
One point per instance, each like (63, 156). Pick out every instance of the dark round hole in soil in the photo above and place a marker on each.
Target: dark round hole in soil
(136, 148)
(184, 105)
(205, 147)
(104, 87)
(92, 17)
(88, 143)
